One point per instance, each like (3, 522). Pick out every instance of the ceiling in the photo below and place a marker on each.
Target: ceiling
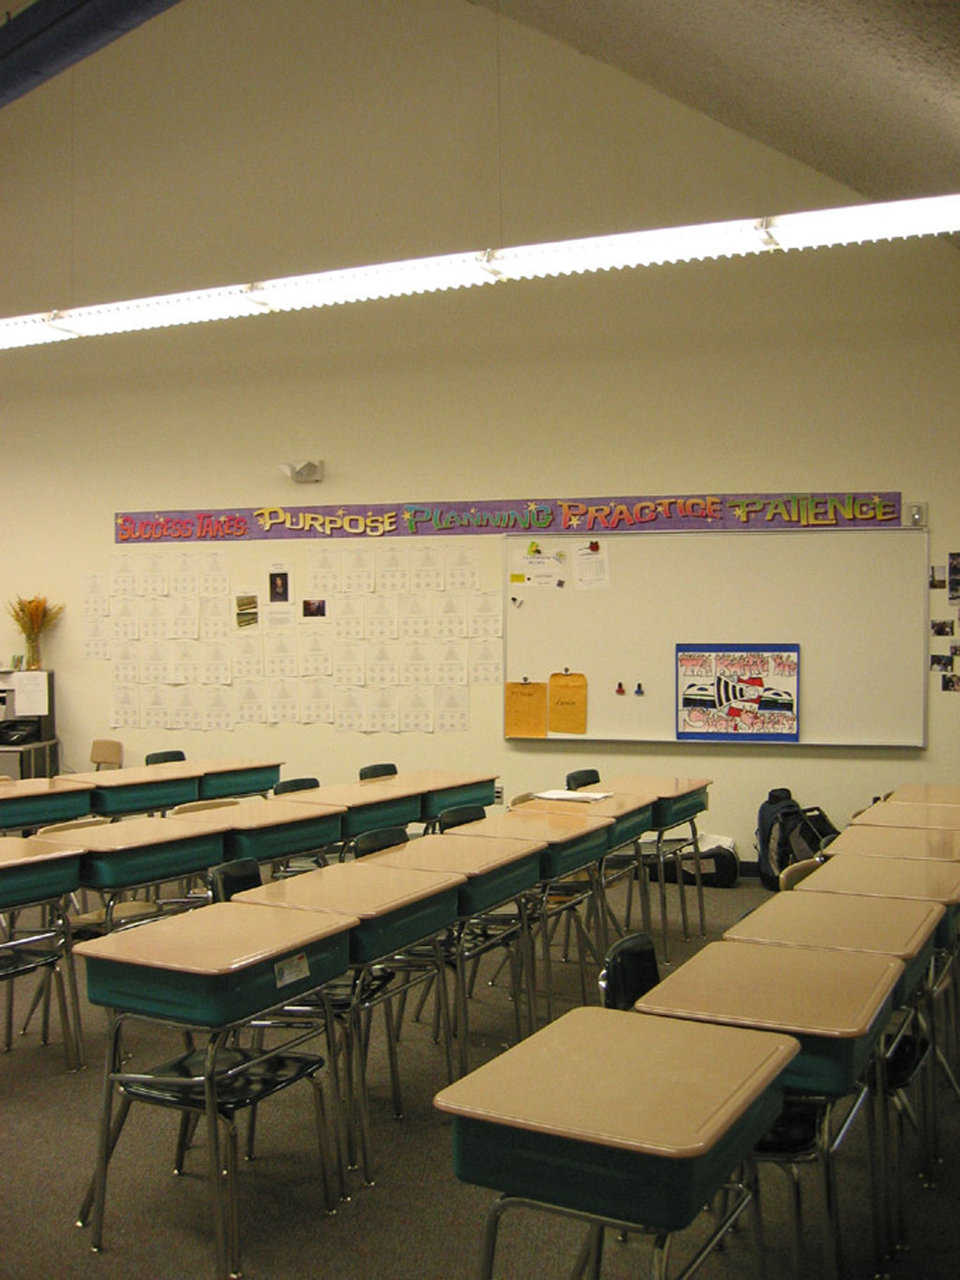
(865, 91)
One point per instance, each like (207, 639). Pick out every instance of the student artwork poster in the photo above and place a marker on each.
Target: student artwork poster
(738, 692)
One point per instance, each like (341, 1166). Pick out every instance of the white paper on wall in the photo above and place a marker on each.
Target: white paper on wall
(316, 701)
(393, 569)
(416, 707)
(125, 706)
(453, 710)
(486, 661)
(382, 666)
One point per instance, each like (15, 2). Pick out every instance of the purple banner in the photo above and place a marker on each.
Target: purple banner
(690, 512)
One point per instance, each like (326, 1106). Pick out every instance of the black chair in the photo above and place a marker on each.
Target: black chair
(233, 877)
(295, 784)
(377, 771)
(163, 757)
(373, 841)
(582, 778)
(459, 815)
(629, 971)
(242, 1079)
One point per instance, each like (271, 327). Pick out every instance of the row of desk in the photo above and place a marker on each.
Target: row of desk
(221, 966)
(649, 1111)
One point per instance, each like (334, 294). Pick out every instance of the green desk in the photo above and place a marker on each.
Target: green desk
(219, 778)
(34, 802)
(141, 788)
(635, 1121)
(268, 830)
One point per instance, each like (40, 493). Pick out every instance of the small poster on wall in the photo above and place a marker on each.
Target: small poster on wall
(738, 692)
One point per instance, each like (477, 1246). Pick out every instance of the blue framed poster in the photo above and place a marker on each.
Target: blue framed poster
(738, 692)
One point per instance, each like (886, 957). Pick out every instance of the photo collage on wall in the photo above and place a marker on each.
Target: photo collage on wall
(944, 620)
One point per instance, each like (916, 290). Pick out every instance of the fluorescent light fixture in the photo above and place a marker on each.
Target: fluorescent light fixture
(818, 229)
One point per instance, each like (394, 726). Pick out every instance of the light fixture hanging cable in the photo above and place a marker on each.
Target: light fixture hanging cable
(818, 229)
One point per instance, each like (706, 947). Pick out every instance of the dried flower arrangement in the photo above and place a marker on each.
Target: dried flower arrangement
(32, 617)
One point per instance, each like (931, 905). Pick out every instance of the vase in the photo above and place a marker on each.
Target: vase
(33, 653)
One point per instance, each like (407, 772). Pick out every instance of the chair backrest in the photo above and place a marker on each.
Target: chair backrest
(106, 751)
(796, 871)
(373, 841)
(6, 777)
(229, 878)
(377, 771)
(629, 971)
(94, 820)
(457, 816)
(523, 798)
(193, 806)
(295, 784)
(163, 757)
(582, 778)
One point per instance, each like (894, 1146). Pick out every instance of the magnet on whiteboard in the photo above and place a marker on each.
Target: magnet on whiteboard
(620, 688)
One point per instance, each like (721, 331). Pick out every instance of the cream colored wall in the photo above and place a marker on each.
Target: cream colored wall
(230, 139)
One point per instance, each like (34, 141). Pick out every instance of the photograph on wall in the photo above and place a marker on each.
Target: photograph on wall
(953, 576)
(738, 692)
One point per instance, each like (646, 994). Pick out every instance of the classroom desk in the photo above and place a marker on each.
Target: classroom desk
(898, 927)
(267, 830)
(32, 802)
(37, 873)
(679, 801)
(849, 922)
(396, 908)
(925, 880)
(212, 970)
(925, 793)
(635, 1120)
(219, 778)
(447, 789)
(573, 842)
(497, 872)
(898, 842)
(141, 851)
(835, 1002)
(398, 799)
(141, 788)
(940, 817)
(632, 815)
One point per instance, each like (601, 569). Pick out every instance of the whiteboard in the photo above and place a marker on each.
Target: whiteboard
(614, 609)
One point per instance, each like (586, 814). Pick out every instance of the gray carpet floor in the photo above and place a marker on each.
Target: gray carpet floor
(417, 1222)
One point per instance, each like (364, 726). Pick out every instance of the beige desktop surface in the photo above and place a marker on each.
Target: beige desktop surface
(137, 775)
(843, 922)
(14, 849)
(925, 793)
(945, 817)
(250, 815)
(805, 991)
(554, 828)
(616, 806)
(21, 788)
(230, 765)
(857, 873)
(660, 1086)
(356, 888)
(898, 842)
(130, 833)
(466, 855)
(666, 788)
(220, 938)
